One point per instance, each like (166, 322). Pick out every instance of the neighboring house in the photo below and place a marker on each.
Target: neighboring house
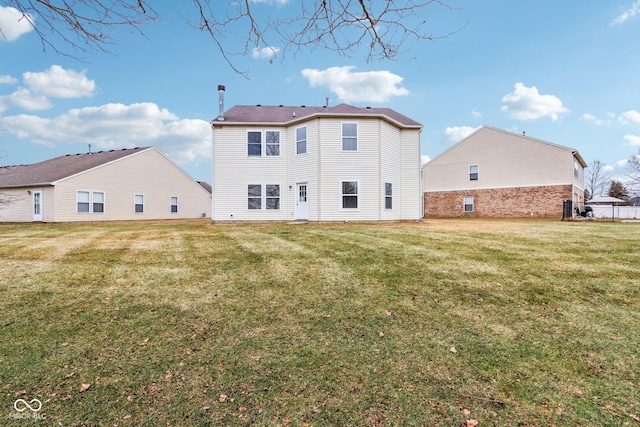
(127, 184)
(341, 163)
(496, 173)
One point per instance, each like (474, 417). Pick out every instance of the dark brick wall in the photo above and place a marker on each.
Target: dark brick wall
(519, 202)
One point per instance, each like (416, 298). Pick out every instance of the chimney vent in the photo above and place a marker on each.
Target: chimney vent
(89, 149)
(221, 102)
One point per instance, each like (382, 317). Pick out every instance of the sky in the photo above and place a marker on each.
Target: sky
(566, 72)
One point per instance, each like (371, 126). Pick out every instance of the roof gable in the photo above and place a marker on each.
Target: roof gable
(50, 171)
(485, 129)
(288, 115)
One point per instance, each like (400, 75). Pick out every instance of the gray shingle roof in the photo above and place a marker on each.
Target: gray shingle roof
(52, 170)
(281, 114)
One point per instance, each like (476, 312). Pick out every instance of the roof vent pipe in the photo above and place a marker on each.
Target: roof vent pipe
(221, 102)
(89, 149)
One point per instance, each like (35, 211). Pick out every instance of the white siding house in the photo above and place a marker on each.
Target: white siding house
(496, 173)
(341, 163)
(127, 184)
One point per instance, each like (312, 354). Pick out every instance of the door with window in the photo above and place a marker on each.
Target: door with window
(302, 208)
(37, 204)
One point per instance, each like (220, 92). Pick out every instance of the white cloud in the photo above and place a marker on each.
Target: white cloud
(424, 159)
(113, 126)
(631, 116)
(627, 14)
(8, 80)
(476, 114)
(13, 24)
(58, 82)
(632, 140)
(457, 133)
(264, 53)
(526, 103)
(350, 86)
(594, 119)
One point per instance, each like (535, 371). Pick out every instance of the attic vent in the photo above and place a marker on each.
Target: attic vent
(302, 106)
(111, 151)
(368, 108)
(281, 105)
(258, 105)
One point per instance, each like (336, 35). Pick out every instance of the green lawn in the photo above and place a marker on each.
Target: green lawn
(432, 323)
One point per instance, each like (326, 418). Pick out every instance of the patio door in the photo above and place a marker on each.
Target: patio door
(37, 205)
(302, 208)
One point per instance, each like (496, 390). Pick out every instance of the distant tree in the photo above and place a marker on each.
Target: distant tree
(596, 179)
(617, 189)
(339, 25)
(633, 173)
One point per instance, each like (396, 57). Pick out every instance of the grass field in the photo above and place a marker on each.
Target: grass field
(433, 323)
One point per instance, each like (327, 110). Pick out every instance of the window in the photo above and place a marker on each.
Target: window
(174, 204)
(98, 202)
(254, 143)
(254, 196)
(138, 203)
(473, 173)
(349, 194)
(272, 143)
(388, 199)
(301, 140)
(576, 170)
(82, 201)
(349, 137)
(468, 203)
(273, 196)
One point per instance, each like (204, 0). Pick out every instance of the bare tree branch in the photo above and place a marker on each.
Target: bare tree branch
(596, 179)
(381, 27)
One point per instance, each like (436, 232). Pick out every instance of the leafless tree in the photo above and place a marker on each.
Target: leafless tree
(383, 27)
(596, 179)
(633, 173)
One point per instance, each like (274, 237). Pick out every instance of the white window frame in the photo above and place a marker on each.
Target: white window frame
(171, 204)
(88, 201)
(476, 173)
(349, 137)
(93, 202)
(135, 203)
(268, 145)
(254, 197)
(465, 203)
(299, 141)
(249, 143)
(268, 197)
(388, 196)
(356, 194)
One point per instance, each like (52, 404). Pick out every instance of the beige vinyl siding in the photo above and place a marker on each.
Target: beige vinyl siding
(18, 207)
(361, 166)
(390, 170)
(234, 170)
(504, 160)
(304, 168)
(148, 173)
(410, 182)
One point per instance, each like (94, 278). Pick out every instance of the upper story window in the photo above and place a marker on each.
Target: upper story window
(349, 137)
(473, 172)
(301, 140)
(272, 143)
(254, 143)
(576, 169)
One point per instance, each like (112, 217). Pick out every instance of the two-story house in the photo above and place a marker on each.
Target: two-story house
(496, 173)
(340, 163)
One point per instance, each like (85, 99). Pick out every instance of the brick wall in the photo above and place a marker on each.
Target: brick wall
(543, 202)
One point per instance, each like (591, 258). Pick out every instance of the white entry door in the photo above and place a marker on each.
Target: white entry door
(302, 208)
(37, 205)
